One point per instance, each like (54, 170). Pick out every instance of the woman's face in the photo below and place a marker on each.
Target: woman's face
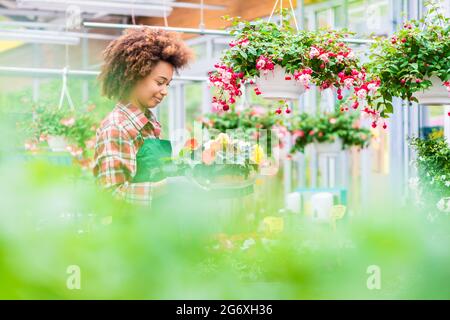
(151, 90)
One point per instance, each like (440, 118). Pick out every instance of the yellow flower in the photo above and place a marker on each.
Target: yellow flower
(223, 138)
(257, 154)
(273, 224)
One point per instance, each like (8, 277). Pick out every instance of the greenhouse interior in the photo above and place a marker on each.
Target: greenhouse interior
(244, 150)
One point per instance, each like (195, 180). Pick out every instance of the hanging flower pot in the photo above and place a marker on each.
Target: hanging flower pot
(436, 94)
(329, 147)
(413, 63)
(283, 63)
(57, 143)
(273, 85)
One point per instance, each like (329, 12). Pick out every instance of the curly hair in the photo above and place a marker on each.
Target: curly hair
(133, 55)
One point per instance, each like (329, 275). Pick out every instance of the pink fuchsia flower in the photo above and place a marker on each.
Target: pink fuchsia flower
(372, 87)
(348, 83)
(303, 77)
(324, 57)
(339, 58)
(260, 63)
(264, 63)
(297, 134)
(362, 94)
(447, 85)
(311, 133)
(333, 120)
(351, 55)
(313, 52)
(68, 122)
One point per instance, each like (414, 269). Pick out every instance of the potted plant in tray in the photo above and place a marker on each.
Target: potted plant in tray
(221, 162)
(282, 62)
(414, 63)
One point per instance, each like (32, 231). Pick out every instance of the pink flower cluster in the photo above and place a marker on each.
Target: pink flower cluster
(242, 42)
(303, 77)
(321, 54)
(227, 81)
(264, 64)
(447, 85)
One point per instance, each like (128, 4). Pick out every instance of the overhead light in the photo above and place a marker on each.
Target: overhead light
(39, 37)
(95, 6)
(28, 13)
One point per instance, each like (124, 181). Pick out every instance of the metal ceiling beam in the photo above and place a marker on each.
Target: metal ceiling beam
(214, 32)
(44, 72)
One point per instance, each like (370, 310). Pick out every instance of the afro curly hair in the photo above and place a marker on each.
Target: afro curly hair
(133, 55)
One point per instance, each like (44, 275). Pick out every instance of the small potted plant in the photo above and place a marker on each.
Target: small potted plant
(413, 63)
(329, 132)
(282, 62)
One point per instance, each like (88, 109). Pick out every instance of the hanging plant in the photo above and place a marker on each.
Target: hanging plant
(414, 63)
(62, 129)
(337, 127)
(432, 185)
(289, 59)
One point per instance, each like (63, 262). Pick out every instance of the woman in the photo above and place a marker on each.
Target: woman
(137, 72)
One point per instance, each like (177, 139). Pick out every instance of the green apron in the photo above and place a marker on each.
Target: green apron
(153, 161)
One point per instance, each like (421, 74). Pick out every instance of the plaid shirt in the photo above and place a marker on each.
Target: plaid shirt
(118, 140)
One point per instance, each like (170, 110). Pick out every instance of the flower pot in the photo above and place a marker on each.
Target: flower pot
(329, 147)
(273, 85)
(209, 179)
(57, 143)
(436, 94)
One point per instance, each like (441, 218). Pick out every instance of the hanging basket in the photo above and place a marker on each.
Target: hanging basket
(57, 143)
(437, 94)
(273, 85)
(329, 147)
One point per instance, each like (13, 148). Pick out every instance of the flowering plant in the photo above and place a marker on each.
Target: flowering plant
(306, 128)
(249, 119)
(221, 158)
(405, 62)
(78, 128)
(433, 165)
(318, 58)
